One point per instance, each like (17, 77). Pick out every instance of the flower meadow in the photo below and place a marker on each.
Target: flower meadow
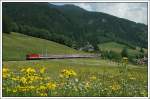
(35, 82)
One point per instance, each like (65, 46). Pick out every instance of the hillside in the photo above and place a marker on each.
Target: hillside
(16, 46)
(117, 47)
(72, 25)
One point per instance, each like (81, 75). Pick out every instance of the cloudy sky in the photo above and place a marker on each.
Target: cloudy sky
(133, 11)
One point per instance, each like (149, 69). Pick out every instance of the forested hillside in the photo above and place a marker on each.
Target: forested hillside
(72, 25)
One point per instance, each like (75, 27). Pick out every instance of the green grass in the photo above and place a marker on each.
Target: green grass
(16, 46)
(80, 65)
(107, 73)
(116, 47)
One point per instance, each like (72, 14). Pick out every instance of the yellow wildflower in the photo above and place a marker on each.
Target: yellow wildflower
(93, 77)
(46, 78)
(51, 86)
(72, 72)
(30, 70)
(125, 60)
(31, 87)
(23, 89)
(61, 76)
(5, 72)
(14, 78)
(132, 78)
(42, 70)
(14, 90)
(39, 78)
(23, 80)
(22, 70)
(33, 78)
(115, 87)
(67, 73)
(87, 85)
(42, 94)
(41, 87)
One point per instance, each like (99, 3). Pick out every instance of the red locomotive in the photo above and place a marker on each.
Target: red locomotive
(33, 56)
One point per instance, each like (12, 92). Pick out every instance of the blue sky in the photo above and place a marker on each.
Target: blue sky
(133, 11)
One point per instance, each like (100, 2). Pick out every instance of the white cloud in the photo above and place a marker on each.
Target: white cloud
(133, 11)
(85, 6)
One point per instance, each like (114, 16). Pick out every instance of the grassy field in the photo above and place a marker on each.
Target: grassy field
(79, 77)
(67, 77)
(16, 46)
(80, 65)
(116, 47)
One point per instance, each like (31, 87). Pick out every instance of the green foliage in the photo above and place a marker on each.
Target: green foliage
(139, 56)
(111, 55)
(45, 34)
(142, 50)
(15, 27)
(124, 52)
(117, 47)
(6, 24)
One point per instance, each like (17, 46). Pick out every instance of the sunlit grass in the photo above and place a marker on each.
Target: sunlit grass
(21, 45)
(73, 77)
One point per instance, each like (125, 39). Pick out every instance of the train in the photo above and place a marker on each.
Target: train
(41, 56)
(33, 56)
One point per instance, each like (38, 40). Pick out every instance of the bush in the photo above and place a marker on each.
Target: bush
(124, 52)
(15, 27)
(111, 55)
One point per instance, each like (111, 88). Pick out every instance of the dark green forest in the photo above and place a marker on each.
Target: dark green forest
(71, 25)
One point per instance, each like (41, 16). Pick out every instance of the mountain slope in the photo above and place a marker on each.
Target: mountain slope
(75, 25)
(21, 45)
(116, 47)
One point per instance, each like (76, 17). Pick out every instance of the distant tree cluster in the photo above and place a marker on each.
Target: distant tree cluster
(111, 55)
(44, 34)
(124, 52)
(6, 24)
